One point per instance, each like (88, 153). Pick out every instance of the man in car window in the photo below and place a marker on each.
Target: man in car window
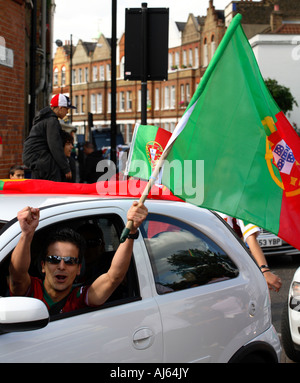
(62, 263)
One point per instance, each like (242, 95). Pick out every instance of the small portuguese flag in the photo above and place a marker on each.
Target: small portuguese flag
(250, 151)
(147, 146)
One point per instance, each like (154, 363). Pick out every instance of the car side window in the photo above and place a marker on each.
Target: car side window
(101, 234)
(182, 256)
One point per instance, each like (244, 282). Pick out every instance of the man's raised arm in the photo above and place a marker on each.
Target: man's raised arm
(103, 286)
(19, 279)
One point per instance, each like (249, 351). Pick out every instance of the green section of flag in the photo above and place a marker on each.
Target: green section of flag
(223, 126)
(1, 185)
(139, 164)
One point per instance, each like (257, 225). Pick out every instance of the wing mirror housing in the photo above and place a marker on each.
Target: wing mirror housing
(22, 314)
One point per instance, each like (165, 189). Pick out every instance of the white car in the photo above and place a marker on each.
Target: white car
(192, 293)
(290, 321)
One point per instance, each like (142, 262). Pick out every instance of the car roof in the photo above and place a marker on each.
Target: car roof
(12, 203)
(40, 193)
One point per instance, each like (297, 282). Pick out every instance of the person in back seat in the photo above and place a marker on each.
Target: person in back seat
(95, 264)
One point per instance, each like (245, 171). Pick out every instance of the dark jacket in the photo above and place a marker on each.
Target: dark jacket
(43, 151)
(90, 165)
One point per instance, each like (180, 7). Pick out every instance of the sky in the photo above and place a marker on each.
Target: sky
(85, 19)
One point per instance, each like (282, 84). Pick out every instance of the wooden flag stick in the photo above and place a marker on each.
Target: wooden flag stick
(147, 189)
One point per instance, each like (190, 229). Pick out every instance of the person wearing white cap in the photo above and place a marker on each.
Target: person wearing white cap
(43, 150)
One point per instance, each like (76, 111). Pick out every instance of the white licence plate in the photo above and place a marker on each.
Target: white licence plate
(273, 241)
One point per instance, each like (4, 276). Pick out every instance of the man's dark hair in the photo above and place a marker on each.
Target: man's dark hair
(68, 235)
(66, 137)
(14, 168)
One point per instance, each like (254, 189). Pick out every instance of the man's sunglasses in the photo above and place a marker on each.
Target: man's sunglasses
(56, 259)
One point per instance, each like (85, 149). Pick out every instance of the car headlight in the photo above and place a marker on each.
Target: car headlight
(295, 296)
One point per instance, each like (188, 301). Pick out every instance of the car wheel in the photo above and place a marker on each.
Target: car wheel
(287, 342)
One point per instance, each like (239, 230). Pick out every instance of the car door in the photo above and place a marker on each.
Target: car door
(127, 330)
(204, 297)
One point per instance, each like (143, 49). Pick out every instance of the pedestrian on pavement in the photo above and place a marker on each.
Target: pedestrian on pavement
(43, 151)
(68, 145)
(91, 159)
(16, 172)
(249, 233)
(61, 263)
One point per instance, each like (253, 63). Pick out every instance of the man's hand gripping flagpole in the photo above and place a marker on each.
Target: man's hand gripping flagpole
(148, 187)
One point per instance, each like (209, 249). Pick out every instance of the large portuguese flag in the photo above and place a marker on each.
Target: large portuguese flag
(251, 153)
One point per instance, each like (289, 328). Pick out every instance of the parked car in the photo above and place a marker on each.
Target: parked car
(192, 292)
(273, 245)
(290, 321)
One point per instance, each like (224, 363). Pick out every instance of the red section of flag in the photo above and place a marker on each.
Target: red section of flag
(290, 205)
(119, 189)
(289, 220)
(162, 137)
(289, 135)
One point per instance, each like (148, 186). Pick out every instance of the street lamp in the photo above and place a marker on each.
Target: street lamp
(59, 43)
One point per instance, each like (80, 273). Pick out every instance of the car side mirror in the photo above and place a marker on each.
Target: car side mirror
(22, 314)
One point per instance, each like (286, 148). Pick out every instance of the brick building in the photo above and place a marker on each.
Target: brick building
(191, 47)
(166, 100)
(25, 72)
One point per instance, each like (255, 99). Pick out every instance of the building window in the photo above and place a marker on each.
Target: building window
(73, 76)
(101, 73)
(177, 61)
(109, 102)
(167, 98)
(122, 102)
(82, 104)
(212, 46)
(108, 72)
(94, 73)
(129, 132)
(99, 103)
(122, 67)
(190, 57)
(188, 92)
(205, 53)
(182, 98)
(86, 74)
(173, 97)
(196, 64)
(93, 103)
(76, 104)
(184, 59)
(170, 61)
(63, 76)
(156, 101)
(55, 77)
(80, 75)
(129, 101)
(139, 108)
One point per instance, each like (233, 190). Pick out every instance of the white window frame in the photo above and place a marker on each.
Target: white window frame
(99, 103)
(95, 73)
(93, 103)
(129, 101)
(166, 97)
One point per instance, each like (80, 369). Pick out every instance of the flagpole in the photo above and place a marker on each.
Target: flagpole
(147, 189)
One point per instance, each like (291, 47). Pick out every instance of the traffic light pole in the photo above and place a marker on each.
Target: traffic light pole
(144, 65)
(113, 126)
